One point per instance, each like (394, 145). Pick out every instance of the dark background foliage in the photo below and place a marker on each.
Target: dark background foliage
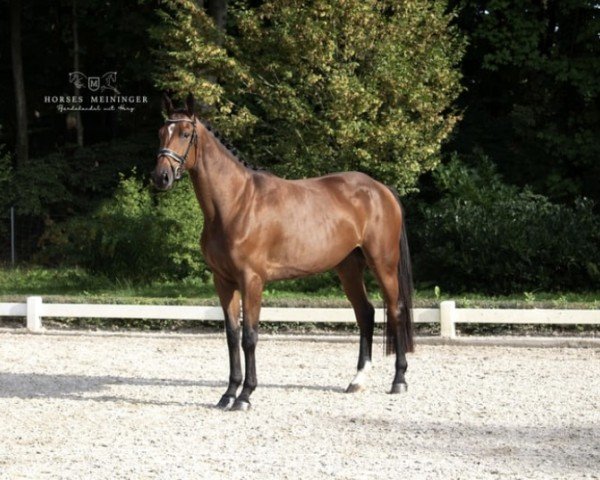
(511, 206)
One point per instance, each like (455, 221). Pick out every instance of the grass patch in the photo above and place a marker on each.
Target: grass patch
(73, 285)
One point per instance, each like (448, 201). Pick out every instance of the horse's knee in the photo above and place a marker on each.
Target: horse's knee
(249, 339)
(233, 334)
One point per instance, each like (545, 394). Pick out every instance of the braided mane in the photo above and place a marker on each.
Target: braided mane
(225, 143)
(230, 148)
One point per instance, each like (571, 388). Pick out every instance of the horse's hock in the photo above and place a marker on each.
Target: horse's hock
(141, 406)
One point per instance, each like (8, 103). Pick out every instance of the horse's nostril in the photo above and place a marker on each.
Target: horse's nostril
(165, 178)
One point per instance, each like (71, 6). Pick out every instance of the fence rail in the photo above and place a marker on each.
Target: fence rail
(447, 315)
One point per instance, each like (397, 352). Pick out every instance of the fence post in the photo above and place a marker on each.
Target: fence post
(34, 314)
(448, 319)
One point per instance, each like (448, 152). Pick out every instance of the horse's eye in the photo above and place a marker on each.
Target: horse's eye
(186, 135)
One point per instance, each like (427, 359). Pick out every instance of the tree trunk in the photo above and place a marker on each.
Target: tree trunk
(217, 9)
(78, 122)
(22, 146)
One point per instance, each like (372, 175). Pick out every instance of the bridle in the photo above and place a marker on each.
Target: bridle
(181, 159)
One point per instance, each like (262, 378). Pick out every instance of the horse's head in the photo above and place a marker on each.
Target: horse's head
(178, 144)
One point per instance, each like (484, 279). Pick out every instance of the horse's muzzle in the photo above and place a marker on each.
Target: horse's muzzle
(163, 177)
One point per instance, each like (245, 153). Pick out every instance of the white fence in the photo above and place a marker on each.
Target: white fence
(447, 315)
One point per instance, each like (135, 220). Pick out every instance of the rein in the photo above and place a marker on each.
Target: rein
(173, 154)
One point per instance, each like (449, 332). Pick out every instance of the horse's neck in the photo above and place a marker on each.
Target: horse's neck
(219, 179)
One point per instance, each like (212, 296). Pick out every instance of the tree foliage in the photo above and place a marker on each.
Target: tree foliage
(533, 103)
(307, 89)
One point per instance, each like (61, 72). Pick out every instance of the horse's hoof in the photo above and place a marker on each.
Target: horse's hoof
(226, 402)
(240, 406)
(355, 387)
(399, 388)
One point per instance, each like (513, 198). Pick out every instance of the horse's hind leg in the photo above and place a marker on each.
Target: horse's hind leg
(385, 269)
(351, 272)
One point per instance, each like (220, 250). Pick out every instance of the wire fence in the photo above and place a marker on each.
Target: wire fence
(7, 241)
(19, 237)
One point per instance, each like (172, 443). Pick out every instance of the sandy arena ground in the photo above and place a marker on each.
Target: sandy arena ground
(139, 406)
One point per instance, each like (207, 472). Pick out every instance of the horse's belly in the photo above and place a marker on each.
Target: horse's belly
(313, 252)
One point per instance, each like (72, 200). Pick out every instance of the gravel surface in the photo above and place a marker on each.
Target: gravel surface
(140, 407)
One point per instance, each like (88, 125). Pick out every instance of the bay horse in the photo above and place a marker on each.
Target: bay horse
(259, 228)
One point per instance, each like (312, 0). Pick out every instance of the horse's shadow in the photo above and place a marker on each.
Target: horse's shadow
(90, 388)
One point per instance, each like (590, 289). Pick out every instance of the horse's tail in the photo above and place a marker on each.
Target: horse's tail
(405, 285)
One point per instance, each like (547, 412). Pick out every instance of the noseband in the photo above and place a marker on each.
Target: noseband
(171, 153)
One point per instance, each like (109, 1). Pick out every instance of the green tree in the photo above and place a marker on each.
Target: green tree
(532, 103)
(306, 89)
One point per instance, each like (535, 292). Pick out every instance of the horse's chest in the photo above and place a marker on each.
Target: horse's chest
(216, 254)
(212, 249)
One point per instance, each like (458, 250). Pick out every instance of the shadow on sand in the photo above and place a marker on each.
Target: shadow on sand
(90, 388)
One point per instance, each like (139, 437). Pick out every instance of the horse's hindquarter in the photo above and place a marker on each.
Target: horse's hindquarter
(301, 227)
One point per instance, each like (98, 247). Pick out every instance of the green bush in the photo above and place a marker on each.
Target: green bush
(138, 235)
(64, 184)
(488, 236)
(70, 182)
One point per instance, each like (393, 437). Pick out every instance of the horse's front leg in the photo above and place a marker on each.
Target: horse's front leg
(251, 297)
(229, 296)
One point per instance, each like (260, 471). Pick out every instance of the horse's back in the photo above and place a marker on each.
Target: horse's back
(358, 193)
(310, 225)
(343, 187)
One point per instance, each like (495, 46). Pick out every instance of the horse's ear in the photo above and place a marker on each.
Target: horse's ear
(189, 104)
(168, 104)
